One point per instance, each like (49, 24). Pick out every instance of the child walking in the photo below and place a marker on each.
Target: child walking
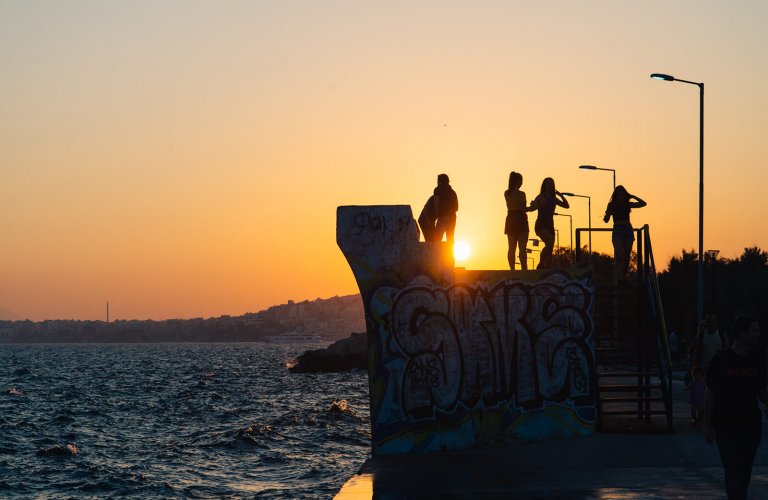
(698, 391)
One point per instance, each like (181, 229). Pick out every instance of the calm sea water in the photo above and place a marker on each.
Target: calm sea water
(175, 421)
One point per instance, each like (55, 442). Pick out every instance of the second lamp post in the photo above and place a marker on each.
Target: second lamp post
(589, 215)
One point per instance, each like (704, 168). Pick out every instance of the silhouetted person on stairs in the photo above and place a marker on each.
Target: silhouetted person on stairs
(623, 235)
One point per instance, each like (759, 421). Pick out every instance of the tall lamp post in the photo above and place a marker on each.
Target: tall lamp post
(589, 215)
(530, 251)
(570, 224)
(592, 167)
(712, 254)
(700, 291)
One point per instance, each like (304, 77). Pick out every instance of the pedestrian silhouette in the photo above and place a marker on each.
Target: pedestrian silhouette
(698, 394)
(516, 224)
(623, 235)
(736, 380)
(545, 203)
(709, 341)
(446, 205)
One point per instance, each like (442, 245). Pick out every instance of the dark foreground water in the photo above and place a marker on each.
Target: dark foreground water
(175, 421)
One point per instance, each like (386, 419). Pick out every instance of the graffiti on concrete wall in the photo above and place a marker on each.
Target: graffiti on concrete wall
(364, 222)
(465, 346)
(457, 360)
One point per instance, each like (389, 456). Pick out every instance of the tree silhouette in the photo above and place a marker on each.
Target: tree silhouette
(731, 287)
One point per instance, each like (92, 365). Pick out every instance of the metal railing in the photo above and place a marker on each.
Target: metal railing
(647, 281)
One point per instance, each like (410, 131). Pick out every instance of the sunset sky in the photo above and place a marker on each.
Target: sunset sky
(185, 158)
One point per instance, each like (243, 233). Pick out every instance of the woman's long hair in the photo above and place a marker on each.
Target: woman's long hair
(514, 178)
(613, 201)
(544, 186)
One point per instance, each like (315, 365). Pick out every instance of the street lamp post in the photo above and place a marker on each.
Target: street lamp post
(712, 254)
(570, 224)
(592, 167)
(589, 214)
(533, 261)
(700, 287)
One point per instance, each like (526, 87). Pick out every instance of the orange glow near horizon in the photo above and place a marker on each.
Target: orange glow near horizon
(461, 250)
(191, 165)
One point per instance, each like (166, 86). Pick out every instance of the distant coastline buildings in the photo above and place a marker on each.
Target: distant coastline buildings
(331, 319)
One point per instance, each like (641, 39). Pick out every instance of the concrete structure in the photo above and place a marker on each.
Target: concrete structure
(465, 359)
(625, 466)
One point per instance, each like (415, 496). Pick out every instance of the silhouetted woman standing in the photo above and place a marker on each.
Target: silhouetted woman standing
(623, 234)
(545, 203)
(516, 225)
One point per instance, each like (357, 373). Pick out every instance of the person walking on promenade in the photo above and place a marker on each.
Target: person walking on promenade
(698, 395)
(427, 219)
(446, 206)
(516, 224)
(623, 235)
(545, 203)
(708, 342)
(736, 379)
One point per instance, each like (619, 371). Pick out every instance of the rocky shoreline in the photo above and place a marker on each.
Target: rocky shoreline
(341, 356)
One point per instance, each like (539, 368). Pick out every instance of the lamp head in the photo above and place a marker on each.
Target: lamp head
(662, 76)
(588, 167)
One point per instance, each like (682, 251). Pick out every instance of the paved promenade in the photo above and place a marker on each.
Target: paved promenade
(603, 466)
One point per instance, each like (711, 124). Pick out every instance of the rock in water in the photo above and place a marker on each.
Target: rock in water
(343, 355)
(69, 450)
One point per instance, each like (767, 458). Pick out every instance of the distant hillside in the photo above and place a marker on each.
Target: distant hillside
(8, 315)
(335, 317)
(332, 318)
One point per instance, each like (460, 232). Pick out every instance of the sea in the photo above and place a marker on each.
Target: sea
(206, 420)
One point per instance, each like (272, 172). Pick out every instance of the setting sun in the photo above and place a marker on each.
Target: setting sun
(461, 250)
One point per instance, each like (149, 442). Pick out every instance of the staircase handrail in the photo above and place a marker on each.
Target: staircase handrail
(648, 280)
(653, 282)
(665, 361)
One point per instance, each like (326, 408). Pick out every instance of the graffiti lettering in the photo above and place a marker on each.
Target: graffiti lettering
(369, 222)
(464, 346)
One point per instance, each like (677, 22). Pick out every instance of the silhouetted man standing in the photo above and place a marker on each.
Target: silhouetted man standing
(446, 206)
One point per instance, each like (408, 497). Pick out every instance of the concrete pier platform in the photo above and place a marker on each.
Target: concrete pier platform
(678, 465)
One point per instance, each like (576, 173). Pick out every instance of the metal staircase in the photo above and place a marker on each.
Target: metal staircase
(633, 376)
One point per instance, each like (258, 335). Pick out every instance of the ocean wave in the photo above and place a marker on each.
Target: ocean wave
(142, 428)
(63, 419)
(23, 424)
(341, 409)
(67, 450)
